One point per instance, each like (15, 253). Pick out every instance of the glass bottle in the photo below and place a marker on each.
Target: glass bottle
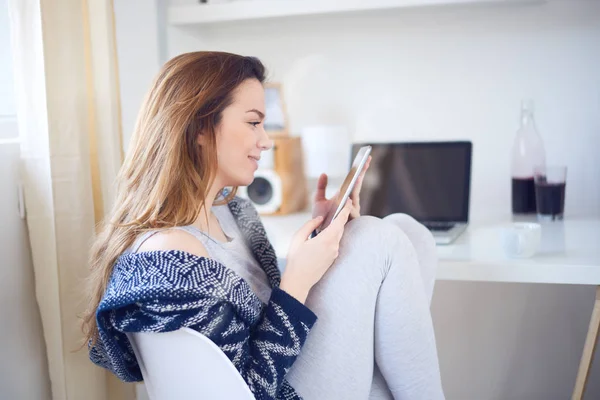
(527, 154)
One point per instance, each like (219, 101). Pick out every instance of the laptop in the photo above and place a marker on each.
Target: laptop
(430, 181)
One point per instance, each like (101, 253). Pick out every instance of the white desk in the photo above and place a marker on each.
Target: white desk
(570, 254)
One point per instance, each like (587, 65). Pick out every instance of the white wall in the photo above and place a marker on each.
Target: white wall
(138, 52)
(457, 73)
(442, 73)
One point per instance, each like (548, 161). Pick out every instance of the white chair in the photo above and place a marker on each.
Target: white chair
(185, 364)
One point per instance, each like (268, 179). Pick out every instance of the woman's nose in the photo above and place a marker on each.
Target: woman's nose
(265, 142)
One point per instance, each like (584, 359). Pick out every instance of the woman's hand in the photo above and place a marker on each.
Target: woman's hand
(323, 206)
(309, 259)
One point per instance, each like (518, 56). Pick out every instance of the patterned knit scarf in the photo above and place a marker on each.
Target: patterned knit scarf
(162, 291)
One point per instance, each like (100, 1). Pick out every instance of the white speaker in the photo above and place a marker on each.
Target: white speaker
(279, 185)
(265, 192)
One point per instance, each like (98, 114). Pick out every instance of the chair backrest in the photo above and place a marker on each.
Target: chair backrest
(185, 364)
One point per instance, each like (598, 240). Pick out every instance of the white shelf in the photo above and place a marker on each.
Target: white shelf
(569, 254)
(201, 14)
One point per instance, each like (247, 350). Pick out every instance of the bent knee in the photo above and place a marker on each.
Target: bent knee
(374, 232)
(402, 218)
(405, 221)
(364, 225)
(415, 230)
(377, 240)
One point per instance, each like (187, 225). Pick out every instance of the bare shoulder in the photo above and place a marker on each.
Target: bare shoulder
(174, 239)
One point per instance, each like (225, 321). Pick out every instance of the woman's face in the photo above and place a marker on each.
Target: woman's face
(241, 136)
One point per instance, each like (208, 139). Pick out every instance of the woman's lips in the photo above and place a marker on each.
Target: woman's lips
(254, 161)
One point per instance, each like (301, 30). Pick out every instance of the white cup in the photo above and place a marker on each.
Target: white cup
(522, 239)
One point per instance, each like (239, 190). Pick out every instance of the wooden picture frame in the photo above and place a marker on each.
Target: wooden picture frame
(276, 122)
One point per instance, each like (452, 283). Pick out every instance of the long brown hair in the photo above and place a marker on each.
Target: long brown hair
(166, 175)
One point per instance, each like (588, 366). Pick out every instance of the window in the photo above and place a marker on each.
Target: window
(8, 111)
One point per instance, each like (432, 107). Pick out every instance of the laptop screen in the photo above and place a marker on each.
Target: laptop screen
(429, 181)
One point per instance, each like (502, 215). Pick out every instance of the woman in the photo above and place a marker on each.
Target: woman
(180, 251)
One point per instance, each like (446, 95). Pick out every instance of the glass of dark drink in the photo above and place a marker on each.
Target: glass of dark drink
(550, 184)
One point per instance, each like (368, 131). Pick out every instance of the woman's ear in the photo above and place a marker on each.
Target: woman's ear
(201, 139)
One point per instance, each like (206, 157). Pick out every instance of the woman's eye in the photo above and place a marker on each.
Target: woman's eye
(254, 123)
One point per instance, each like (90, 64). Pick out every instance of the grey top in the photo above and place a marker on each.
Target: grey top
(234, 254)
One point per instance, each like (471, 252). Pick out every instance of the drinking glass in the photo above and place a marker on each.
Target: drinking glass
(550, 184)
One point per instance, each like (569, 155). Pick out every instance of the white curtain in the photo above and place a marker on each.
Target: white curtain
(68, 112)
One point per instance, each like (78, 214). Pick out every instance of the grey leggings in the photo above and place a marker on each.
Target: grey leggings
(374, 337)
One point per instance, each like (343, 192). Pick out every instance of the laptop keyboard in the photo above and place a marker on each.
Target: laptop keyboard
(439, 226)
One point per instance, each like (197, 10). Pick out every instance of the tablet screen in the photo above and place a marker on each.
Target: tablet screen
(349, 182)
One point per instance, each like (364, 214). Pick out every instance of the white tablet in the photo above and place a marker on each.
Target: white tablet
(357, 166)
